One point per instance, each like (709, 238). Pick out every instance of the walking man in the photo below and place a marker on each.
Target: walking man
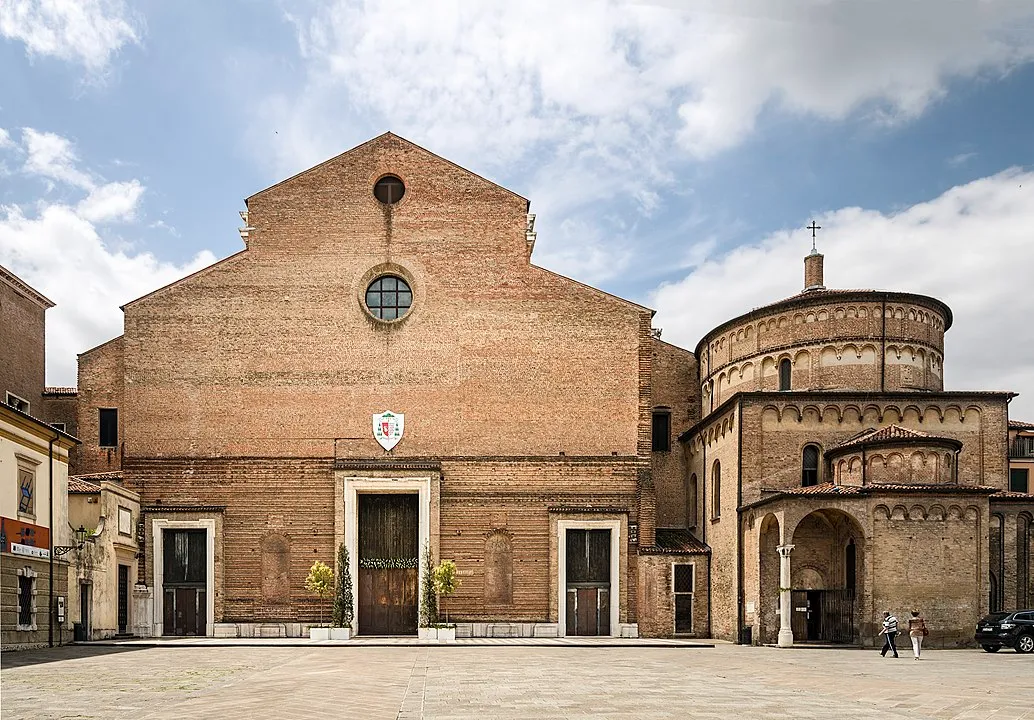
(889, 632)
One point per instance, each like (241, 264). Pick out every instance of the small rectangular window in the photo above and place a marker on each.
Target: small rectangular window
(58, 426)
(1019, 480)
(24, 600)
(661, 431)
(682, 586)
(26, 490)
(17, 403)
(109, 427)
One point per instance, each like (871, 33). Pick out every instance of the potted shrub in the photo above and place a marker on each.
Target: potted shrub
(428, 629)
(445, 584)
(341, 625)
(320, 582)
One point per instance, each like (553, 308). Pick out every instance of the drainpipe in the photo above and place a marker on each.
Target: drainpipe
(739, 522)
(50, 593)
(709, 632)
(702, 487)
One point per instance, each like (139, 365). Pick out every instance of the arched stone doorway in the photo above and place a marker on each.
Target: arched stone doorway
(768, 567)
(826, 577)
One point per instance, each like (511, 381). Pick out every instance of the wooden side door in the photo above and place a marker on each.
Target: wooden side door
(588, 582)
(123, 599)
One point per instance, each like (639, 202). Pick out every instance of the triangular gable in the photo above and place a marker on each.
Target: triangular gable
(381, 139)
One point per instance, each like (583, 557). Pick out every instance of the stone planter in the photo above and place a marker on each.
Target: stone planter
(427, 633)
(340, 633)
(447, 634)
(319, 633)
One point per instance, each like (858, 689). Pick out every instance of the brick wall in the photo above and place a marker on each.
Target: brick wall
(276, 338)
(101, 382)
(718, 441)
(657, 601)
(674, 387)
(22, 343)
(781, 425)
(834, 340)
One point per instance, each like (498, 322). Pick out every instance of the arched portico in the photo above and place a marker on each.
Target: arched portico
(826, 577)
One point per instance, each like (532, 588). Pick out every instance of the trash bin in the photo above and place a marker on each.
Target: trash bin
(78, 632)
(747, 635)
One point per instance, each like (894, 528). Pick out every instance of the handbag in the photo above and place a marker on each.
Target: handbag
(925, 631)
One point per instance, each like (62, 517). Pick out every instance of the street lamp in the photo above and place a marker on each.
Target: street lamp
(82, 535)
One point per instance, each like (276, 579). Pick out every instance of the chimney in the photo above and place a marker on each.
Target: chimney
(813, 271)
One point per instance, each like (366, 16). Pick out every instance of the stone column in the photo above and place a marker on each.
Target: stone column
(785, 632)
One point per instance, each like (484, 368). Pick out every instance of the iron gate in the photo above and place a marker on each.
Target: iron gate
(822, 615)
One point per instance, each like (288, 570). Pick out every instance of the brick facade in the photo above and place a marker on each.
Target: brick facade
(245, 395)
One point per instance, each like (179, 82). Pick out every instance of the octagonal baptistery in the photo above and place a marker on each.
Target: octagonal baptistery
(821, 339)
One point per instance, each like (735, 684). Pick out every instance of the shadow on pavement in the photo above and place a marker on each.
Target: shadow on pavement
(21, 658)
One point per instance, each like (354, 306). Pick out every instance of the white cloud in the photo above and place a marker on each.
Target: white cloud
(53, 157)
(5, 139)
(970, 247)
(596, 101)
(114, 201)
(88, 32)
(61, 250)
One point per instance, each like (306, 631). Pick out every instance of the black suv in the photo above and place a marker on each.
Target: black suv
(1013, 629)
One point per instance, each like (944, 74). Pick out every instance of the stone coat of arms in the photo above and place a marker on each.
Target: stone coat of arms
(388, 428)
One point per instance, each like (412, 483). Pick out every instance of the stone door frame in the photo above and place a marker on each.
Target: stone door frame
(353, 486)
(615, 570)
(158, 526)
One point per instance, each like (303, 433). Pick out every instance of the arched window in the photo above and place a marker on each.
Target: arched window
(810, 466)
(716, 491)
(784, 373)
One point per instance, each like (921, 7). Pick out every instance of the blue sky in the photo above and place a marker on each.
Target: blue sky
(672, 151)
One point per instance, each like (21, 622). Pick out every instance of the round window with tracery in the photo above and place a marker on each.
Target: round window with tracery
(389, 297)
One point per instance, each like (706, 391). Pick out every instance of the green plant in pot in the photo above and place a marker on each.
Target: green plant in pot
(320, 582)
(343, 600)
(445, 584)
(428, 597)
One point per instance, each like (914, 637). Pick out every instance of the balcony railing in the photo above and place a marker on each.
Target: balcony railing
(1022, 447)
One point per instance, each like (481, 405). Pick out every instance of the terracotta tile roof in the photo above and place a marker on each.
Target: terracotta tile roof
(824, 489)
(115, 475)
(1012, 495)
(875, 435)
(78, 486)
(1020, 425)
(930, 487)
(876, 488)
(58, 390)
(675, 541)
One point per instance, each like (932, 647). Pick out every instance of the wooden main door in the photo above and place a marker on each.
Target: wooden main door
(588, 582)
(389, 552)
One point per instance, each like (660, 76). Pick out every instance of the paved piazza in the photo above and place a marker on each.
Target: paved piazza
(510, 681)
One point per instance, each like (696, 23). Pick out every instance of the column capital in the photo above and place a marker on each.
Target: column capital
(785, 550)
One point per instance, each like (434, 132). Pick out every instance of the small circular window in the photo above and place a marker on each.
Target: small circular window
(389, 190)
(389, 297)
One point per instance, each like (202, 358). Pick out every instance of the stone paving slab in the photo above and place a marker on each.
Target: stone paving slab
(401, 642)
(411, 682)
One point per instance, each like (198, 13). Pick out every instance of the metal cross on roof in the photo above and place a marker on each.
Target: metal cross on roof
(813, 227)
